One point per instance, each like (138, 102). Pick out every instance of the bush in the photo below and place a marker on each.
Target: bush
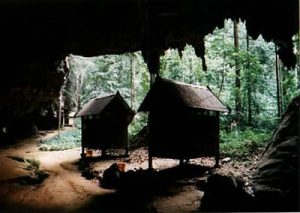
(67, 140)
(242, 144)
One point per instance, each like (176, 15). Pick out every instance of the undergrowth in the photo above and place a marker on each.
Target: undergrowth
(68, 139)
(242, 144)
(33, 165)
(36, 175)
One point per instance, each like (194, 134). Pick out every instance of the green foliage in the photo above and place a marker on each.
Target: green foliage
(242, 144)
(111, 73)
(170, 65)
(77, 122)
(265, 122)
(33, 165)
(185, 69)
(77, 68)
(290, 86)
(36, 176)
(139, 121)
(67, 140)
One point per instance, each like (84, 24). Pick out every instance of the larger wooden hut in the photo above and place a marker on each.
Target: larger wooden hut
(183, 120)
(104, 122)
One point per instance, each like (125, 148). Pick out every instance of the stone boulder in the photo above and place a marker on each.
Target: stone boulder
(276, 180)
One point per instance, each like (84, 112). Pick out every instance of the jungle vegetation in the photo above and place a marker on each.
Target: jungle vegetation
(245, 74)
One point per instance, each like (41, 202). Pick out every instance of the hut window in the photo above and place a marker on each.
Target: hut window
(213, 113)
(200, 113)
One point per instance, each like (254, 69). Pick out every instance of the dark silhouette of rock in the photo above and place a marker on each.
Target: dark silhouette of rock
(223, 193)
(111, 177)
(276, 180)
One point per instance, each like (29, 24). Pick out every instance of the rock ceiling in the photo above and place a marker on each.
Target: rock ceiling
(37, 33)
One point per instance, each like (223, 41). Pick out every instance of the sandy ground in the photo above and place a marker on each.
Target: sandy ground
(66, 190)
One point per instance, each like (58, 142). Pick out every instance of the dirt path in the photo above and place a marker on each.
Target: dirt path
(64, 190)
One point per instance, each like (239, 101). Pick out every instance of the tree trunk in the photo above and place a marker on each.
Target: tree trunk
(133, 77)
(78, 91)
(237, 71)
(59, 114)
(192, 79)
(222, 83)
(223, 74)
(66, 108)
(249, 90)
(298, 57)
(249, 107)
(278, 84)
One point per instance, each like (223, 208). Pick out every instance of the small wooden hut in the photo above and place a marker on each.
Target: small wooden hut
(183, 120)
(104, 122)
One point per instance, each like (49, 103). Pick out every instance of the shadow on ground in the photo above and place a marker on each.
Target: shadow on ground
(136, 190)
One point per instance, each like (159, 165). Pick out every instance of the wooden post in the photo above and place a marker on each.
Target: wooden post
(127, 145)
(82, 150)
(150, 156)
(181, 162)
(82, 137)
(152, 58)
(217, 158)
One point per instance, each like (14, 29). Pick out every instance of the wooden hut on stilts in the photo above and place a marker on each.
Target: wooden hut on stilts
(183, 120)
(104, 123)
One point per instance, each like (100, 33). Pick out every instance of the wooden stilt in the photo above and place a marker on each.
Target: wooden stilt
(127, 144)
(82, 151)
(217, 158)
(150, 156)
(150, 165)
(181, 162)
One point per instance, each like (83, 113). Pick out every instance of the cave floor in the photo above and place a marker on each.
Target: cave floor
(66, 190)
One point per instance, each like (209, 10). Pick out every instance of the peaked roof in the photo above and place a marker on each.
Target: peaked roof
(97, 105)
(173, 94)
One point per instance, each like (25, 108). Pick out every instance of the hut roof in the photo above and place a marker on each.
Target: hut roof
(172, 94)
(97, 105)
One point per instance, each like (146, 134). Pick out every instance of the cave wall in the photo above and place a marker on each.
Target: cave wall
(27, 99)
